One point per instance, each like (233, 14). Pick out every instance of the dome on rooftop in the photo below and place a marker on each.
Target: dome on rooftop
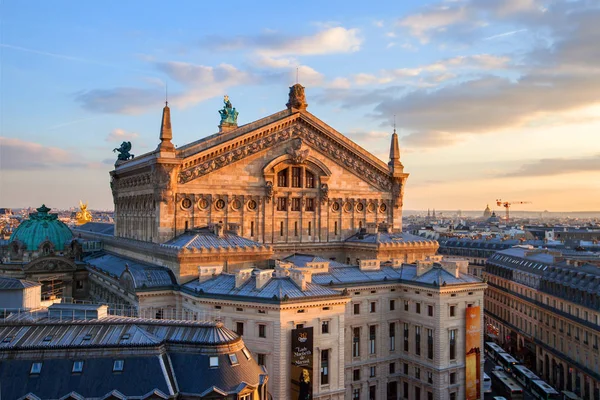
(41, 227)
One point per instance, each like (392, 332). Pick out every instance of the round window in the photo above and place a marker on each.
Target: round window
(360, 207)
(371, 207)
(335, 206)
(220, 204)
(186, 203)
(347, 207)
(236, 204)
(382, 207)
(252, 205)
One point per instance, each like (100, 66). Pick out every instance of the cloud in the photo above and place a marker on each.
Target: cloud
(430, 139)
(510, 33)
(120, 100)
(19, 155)
(273, 44)
(118, 135)
(557, 166)
(434, 19)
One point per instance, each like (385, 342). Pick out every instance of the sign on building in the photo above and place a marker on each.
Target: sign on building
(302, 364)
(473, 353)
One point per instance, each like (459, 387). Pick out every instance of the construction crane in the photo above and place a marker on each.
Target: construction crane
(507, 204)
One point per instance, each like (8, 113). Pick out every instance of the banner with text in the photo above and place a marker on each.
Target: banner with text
(473, 353)
(302, 364)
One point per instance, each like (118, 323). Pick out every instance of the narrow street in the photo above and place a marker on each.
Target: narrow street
(488, 368)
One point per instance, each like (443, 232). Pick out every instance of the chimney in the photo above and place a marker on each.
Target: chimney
(301, 278)
(396, 263)
(218, 229)
(241, 276)
(423, 267)
(369, 265)
(263, 277)
(206, 272)
(372, 228)
(456, 265)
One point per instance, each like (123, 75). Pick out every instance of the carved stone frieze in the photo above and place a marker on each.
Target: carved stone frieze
(297, 153)
(317, 140)
(161, 179)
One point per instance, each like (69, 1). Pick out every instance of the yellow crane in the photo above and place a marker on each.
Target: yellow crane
(507, 205)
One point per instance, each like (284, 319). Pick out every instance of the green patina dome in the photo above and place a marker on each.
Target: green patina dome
(40, 227)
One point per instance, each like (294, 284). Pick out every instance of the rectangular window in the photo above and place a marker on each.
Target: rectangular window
(324, 367)
(418, 308)
(296, 228)
(310, 180)
(452, 340)
(430, 311)
(356, 343)
(282, 178)
(430, 377)
(36, 368)
(453, 396)
(373, 306)
(239, 328)
(296, 201)
(325, 327)
(372, 335)
(282, 203)
(405, 305)
(417, 372)
(392, 368)
(356, 308)
(372, 372)
(233, 359)
(452, 378)
(392, 305)
(392, 336)
(77, 366)
(430, 344)
(335, 230)
(405, 369)
(392, 390)
(310, 204)
(452, 311)
(296, 177)
(405, 394)
(418, 340)
(262, 331)
(309, 228)
(356, 375)
(356, 394)
(372, 392)
(251, 228)
(119, 364)
(405, 337)
(417, 393)
(281, 228)
(261, 359)
(429, 396)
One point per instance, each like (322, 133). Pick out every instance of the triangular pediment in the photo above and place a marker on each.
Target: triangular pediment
(218, 151)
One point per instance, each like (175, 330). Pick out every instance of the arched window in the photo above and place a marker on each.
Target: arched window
(282, 178)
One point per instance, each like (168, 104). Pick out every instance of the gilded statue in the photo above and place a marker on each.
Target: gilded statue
(83, 215)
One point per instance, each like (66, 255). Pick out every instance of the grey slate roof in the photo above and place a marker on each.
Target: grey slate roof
(384, 237)
(224, 284)
(205, 238)
(15, 284)
(144, 275)
(342, 274)
(103, 228)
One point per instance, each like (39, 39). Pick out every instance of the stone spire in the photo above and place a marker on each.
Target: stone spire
(166, 134)
(395, 164)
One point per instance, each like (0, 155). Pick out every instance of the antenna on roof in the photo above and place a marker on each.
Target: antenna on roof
(394, 123)
(297, 68)
(166, 93)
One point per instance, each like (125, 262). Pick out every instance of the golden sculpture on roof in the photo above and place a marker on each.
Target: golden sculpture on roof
(83, 216)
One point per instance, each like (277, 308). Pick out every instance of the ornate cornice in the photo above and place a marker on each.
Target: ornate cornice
(310, 135)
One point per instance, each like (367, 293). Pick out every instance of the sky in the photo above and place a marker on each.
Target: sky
(491, 99)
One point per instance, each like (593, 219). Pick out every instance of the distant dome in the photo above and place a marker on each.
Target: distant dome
(487, 212)
(493, 219)
(40, 227)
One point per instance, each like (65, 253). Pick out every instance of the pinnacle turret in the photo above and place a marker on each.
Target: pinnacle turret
(394, 163)
(166, 134)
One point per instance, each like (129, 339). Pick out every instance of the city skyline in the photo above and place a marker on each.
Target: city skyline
(491, 99)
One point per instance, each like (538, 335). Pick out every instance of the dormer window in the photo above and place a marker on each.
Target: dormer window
(7, 339)
(233, 359)
(214, 362)
(48, 338)
(125, 336)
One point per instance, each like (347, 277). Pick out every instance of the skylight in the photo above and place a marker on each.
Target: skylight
(233, 359)
(214, 362)
(77, 366)
(118, 365)
(246, 353)
(36, 368)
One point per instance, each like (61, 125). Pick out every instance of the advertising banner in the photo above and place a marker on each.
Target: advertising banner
(302, 364)
(473, 353)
